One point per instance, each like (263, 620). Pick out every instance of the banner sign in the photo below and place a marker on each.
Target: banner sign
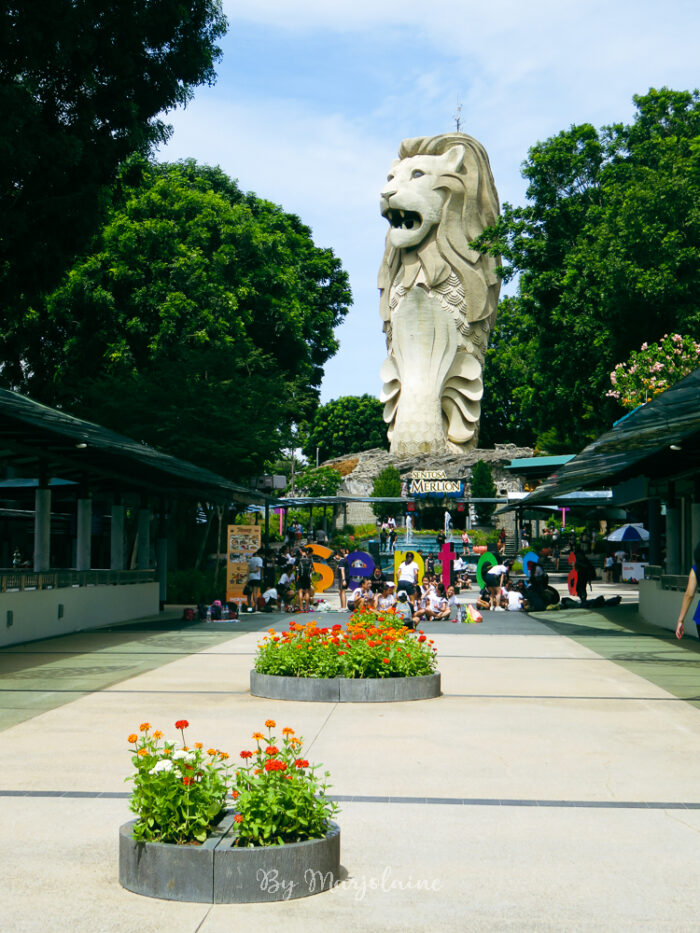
(434, 484)
(242, 542)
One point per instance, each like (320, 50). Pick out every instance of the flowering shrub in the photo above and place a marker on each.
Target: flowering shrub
(278, 795)
(179, 793)
(653, 369)
(372, 645)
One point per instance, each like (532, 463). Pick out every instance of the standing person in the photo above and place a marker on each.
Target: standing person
(466, 542)
(392, 536)
(305, 568)
(383, 536)
(585, 574)
(255, 565)
(343, 576)
(556, 550)
(608, 566)
(690, 591)
(494, 580)
(407, 575)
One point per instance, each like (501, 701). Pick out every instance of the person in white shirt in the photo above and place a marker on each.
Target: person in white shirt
(407, 574)
(255, 565)
(439, 606)
(386, 600)
(514, 598)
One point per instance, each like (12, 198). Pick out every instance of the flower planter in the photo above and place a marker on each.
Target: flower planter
(345, 689)
(218, 873)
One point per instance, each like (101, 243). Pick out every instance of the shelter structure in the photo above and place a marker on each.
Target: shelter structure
(69, 490)
(650, 459)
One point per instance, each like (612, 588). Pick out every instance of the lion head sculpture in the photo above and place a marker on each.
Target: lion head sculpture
(439, 196)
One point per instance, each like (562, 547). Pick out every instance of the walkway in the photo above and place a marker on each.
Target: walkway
(554, 787)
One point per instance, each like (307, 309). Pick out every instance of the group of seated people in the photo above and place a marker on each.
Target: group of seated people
(428, 602)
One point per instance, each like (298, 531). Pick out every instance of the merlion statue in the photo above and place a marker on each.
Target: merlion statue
(438, 297)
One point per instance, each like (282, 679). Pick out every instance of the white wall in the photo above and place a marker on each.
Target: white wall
(661, 607)
(35, 612)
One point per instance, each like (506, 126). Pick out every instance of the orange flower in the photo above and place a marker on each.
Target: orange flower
(257, 771)
(142, 752)
(271, 750)
(212, 751)
(223, 755)
(238, 818)
(258, 736)
(167, 751)
(198, 745)
(133, 737)
(157, 734)
(287, 731)
(235, 794)
(295, 741)
(385, 661)
(270, 723)
(145, 726)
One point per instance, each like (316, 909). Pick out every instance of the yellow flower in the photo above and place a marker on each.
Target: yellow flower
(212, 751)
(157, 734)
(198, 745)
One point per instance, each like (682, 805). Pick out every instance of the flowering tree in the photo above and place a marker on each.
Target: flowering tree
(653, 369)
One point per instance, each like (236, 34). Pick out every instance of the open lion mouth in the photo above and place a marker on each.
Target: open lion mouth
(403, 220)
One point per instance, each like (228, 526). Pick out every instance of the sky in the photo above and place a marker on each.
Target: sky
(313, 98)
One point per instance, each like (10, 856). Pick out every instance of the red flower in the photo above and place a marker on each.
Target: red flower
(385, 661)
(235, 794)
(421, 639)
(187, 781)
(271, 750)
(238, 818)
(301, 763)
(181, 724)
(341, 652)
(246, 754)
(337, 628)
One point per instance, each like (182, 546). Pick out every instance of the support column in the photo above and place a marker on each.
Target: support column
(695, 518)
(42, 529)
(143, 556)
(162, 556)
(654, 528)
(673, 538)
(117, 554)
(83, 553)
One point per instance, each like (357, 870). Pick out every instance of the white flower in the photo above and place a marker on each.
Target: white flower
(182, 754)
(165, 764)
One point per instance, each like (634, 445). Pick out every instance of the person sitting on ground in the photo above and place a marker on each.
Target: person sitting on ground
(386, 600)
(690, 591)
(439, 607)
(514, 598)
(452, 602)
(270, 599)
(362, 597)
(377, 580)
(483, 600)
(421, 604)
(404, 609)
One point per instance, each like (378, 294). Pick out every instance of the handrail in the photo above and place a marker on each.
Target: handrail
(20, 580)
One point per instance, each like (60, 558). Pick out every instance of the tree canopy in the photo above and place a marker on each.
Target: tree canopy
(482, 486)
(607, 250)
(348, 424)
(199, 322)
(82, 86)
(318, 481)
(387, 483)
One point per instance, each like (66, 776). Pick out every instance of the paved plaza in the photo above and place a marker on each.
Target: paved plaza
(555, 785)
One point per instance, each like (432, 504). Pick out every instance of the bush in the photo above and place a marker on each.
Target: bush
(279, 797)
(372, 645)
(179, 794)
(193, 586)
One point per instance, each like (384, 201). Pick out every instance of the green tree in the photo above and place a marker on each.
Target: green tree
(387, 483)
(607, 251)
(200, 322)
(82, 85)
(482, 486)
(346, 425)
(321, 481)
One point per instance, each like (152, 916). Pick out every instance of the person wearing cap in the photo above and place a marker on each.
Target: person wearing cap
(404, 610)
(407, 574)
